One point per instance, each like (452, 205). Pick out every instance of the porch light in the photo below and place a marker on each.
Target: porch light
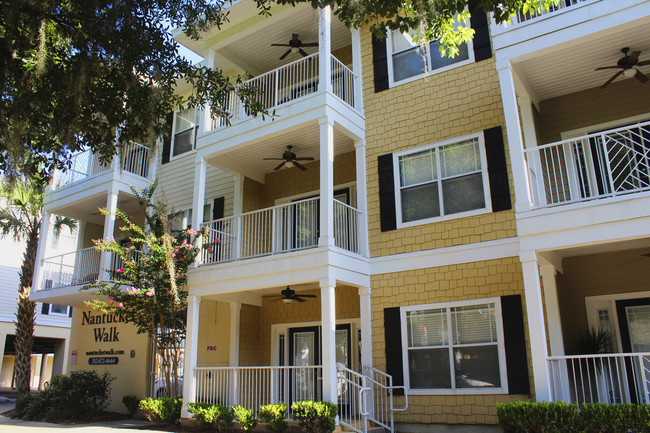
(288, 164)
(287, 300)
(629, 73)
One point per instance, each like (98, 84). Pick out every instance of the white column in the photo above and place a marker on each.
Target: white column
(356, 69)
(325, 49)
(235, 314)
(238, 205)
(37, 282)
(326, 183)
(362, 196)
(43, 371)
(365, 316)
(198, 201)
(191, 350)
(109, 231)
(536, 326)
(527, 121)
(328, 322)
(515, 145)
(60, 361)
(207, 110)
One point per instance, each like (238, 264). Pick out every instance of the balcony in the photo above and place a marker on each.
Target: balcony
(279, 229)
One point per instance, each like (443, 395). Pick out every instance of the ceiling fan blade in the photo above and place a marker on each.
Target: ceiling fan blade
(285, 54)
(296, 298)
(280, 165)
(607, 67)
(634, 57)
(643, 63)
(303, 52)
(304, 158)
(272, 159)
(299, 165)
(615, 76)
(310, 44)
(280, 45)
(640, 76)
(308, 296)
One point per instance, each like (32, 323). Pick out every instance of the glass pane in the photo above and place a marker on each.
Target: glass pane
(207, 212)
(638, 319)
(429, 368)
(420, 202)
(183, 142)
(303, 348)
(477, 367)
(417, 168)
(474, 324)
(460, 158)
(408, 64)
(401, 41)
(437, 61)
(427, 328)
(461, 194)
(342, 355)
(58, 309)
(185, 119)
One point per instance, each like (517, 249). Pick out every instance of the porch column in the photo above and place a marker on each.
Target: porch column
(326, 183)
(60, 361)
(527, 121)
(324, 49)
(238, 205)
(536, 326)
(198, 202)
(207, 109)
(109, 231)
(362, 201)
(328, 322)
(191, 350)
(43, 371)
(37, 282)
(515, 145)
(235, 314)
(365, 316)
(356, 69)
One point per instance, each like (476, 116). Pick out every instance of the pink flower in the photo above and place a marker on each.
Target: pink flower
(150, 292)
(173, 254)
(217, 240)
(188, 246)
(120, 305)
(120, 270)
(171, 220)
(111, 301)
(131, 217)
(191, 232)
(210, 249)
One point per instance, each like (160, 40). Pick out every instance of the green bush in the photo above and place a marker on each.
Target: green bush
(79, 396)
(131, 402)
(531, 417)
(215, 415)
(315, 416)
(163, 410)
(273, 416)
(246, 418)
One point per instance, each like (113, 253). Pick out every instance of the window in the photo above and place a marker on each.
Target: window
(184, 131)
(408, 60)
(59, 309)
(182, 219)
(454, 347)
(441, 180)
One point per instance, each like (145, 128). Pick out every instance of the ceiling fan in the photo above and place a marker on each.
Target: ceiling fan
(628, 65)
(289, 295)
(289, 159)
(295, 46)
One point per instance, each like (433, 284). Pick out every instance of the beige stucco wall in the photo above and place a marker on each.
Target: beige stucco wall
(214, 334)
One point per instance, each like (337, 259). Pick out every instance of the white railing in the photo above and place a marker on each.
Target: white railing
(353, 399)
(279, 229)
(381, 394)
(521, 17)
(252, 387)
(117, 262)
(77, 267)
(135, 159)
(343, 80)
(607, 378)
(594, 166)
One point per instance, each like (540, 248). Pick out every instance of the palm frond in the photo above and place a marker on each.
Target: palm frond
(61, 222)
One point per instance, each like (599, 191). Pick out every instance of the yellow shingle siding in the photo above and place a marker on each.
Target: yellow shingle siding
(450, 104)
(491, 278)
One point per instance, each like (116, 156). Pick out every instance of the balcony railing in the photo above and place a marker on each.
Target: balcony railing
(279, 229)
(134, 158)
(286, 84)
(77, 267)
(521, 17)
(594, 166)
(607, 378)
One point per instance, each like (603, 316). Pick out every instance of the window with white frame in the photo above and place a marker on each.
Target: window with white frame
(441, 179)
(408, 60)
(184, 131)
(182, 219)
(59, 309)
(454, 347)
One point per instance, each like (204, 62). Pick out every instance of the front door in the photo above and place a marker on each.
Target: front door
(304, 344)
(634, 323)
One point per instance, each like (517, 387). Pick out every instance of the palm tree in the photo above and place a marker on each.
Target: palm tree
(21, 206)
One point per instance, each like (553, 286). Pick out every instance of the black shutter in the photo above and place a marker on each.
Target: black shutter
(380, 63)
(218, 208)
(45, 309)
(497, 169)
(167, 138)
(515, 343)
(393, 335)
(70, 311)
(481, 42)
(387, 193)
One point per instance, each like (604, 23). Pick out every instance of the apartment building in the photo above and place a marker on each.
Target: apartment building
(413, 236)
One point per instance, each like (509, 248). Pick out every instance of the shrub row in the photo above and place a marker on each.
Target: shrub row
(540, 417)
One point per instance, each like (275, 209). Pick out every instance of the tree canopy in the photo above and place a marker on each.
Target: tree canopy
(78, 74)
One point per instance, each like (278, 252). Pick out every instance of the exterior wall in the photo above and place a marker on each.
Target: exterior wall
(593, 275)
(450, 104)
(622, 99)
(249, 336)
(214, 334)
(477, 280)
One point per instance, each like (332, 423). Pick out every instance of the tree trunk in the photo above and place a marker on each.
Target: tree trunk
(25, 316)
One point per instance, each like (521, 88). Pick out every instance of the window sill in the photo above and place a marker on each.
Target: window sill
(392, 84)
(402, 225)
(182, 155)
(472, 391)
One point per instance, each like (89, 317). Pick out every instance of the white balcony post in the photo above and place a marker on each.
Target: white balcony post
(109, 230)
(356, 69)
(515, 145)
(191, 350)
(365, 316)
(328, 322)
(362, 191)
(207, 109)
(198, 201)
(326, 183)
(324, 49)
(235, 314)
(37, 282)
(536, 326)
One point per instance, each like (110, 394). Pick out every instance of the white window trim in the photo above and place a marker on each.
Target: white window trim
(428, 72)
(50, 312)
(173, 137)
(501, 350)
(485, 176)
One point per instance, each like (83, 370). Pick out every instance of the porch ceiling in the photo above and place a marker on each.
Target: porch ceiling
(255, 297)
(87, 208)
(600, 248)
(570, 67)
